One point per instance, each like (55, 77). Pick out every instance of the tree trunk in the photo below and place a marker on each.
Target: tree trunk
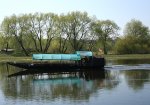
(21, 44)
(7, 47)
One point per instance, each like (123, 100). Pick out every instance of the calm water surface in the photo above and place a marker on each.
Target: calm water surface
(124, 82)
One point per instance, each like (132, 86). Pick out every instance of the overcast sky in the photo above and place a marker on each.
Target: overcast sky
(120, 11)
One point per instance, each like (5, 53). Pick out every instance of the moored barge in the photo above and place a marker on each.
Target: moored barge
(79, 60)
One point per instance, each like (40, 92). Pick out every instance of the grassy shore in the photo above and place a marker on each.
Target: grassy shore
(9, 58)
(128, 56)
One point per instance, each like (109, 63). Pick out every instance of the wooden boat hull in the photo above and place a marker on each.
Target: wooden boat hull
(52, 66)
(87, 73)
(96, 63)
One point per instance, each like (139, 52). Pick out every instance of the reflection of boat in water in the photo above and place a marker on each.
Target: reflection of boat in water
(66, 78)
(83, 73)
(54, 85)
(80, 60)
(74, 86)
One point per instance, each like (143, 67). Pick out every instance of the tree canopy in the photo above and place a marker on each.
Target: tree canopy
(136, 39)
(105, 30)
(66, 33)
(38, 31)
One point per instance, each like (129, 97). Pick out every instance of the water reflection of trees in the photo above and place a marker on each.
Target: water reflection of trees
(112, 79)
(73, 86)
(137, 78)
(128, 61)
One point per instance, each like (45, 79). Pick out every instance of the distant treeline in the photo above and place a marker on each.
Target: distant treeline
(66, 33)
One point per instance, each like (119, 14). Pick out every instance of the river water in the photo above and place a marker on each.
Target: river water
(123, 82)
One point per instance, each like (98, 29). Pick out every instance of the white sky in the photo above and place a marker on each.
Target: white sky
(120, 11)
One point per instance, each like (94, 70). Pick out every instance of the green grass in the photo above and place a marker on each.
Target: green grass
(8, 58)
(16, 59)
(128, 56)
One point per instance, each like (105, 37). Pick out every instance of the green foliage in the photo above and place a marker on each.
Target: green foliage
(18, 54)
(136, 28)
(37, 31)
(136, 39)
(105, 30)
(52, 33)
(78, 30)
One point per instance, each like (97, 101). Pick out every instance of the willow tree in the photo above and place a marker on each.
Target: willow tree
(105, 30)
(42, 29)
(4, 37)
(63, 33)
(78, 29)
(138, 30)
(38, 29)
(16, 27)
(136, 39)
(2, 41)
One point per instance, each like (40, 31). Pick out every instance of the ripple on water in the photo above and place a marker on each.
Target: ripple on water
(128, 67)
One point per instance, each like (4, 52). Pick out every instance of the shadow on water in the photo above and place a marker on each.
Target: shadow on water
(87, 74)
(128, 61)
(50, 86)
(128, 64)
(30, 84)
(116, 82)
(136, 79)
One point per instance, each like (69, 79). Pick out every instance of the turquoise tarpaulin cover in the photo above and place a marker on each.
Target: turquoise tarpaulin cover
(56, 57)
(84, 53)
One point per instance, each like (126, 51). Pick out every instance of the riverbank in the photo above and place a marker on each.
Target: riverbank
(9, 58)
(128, 56)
